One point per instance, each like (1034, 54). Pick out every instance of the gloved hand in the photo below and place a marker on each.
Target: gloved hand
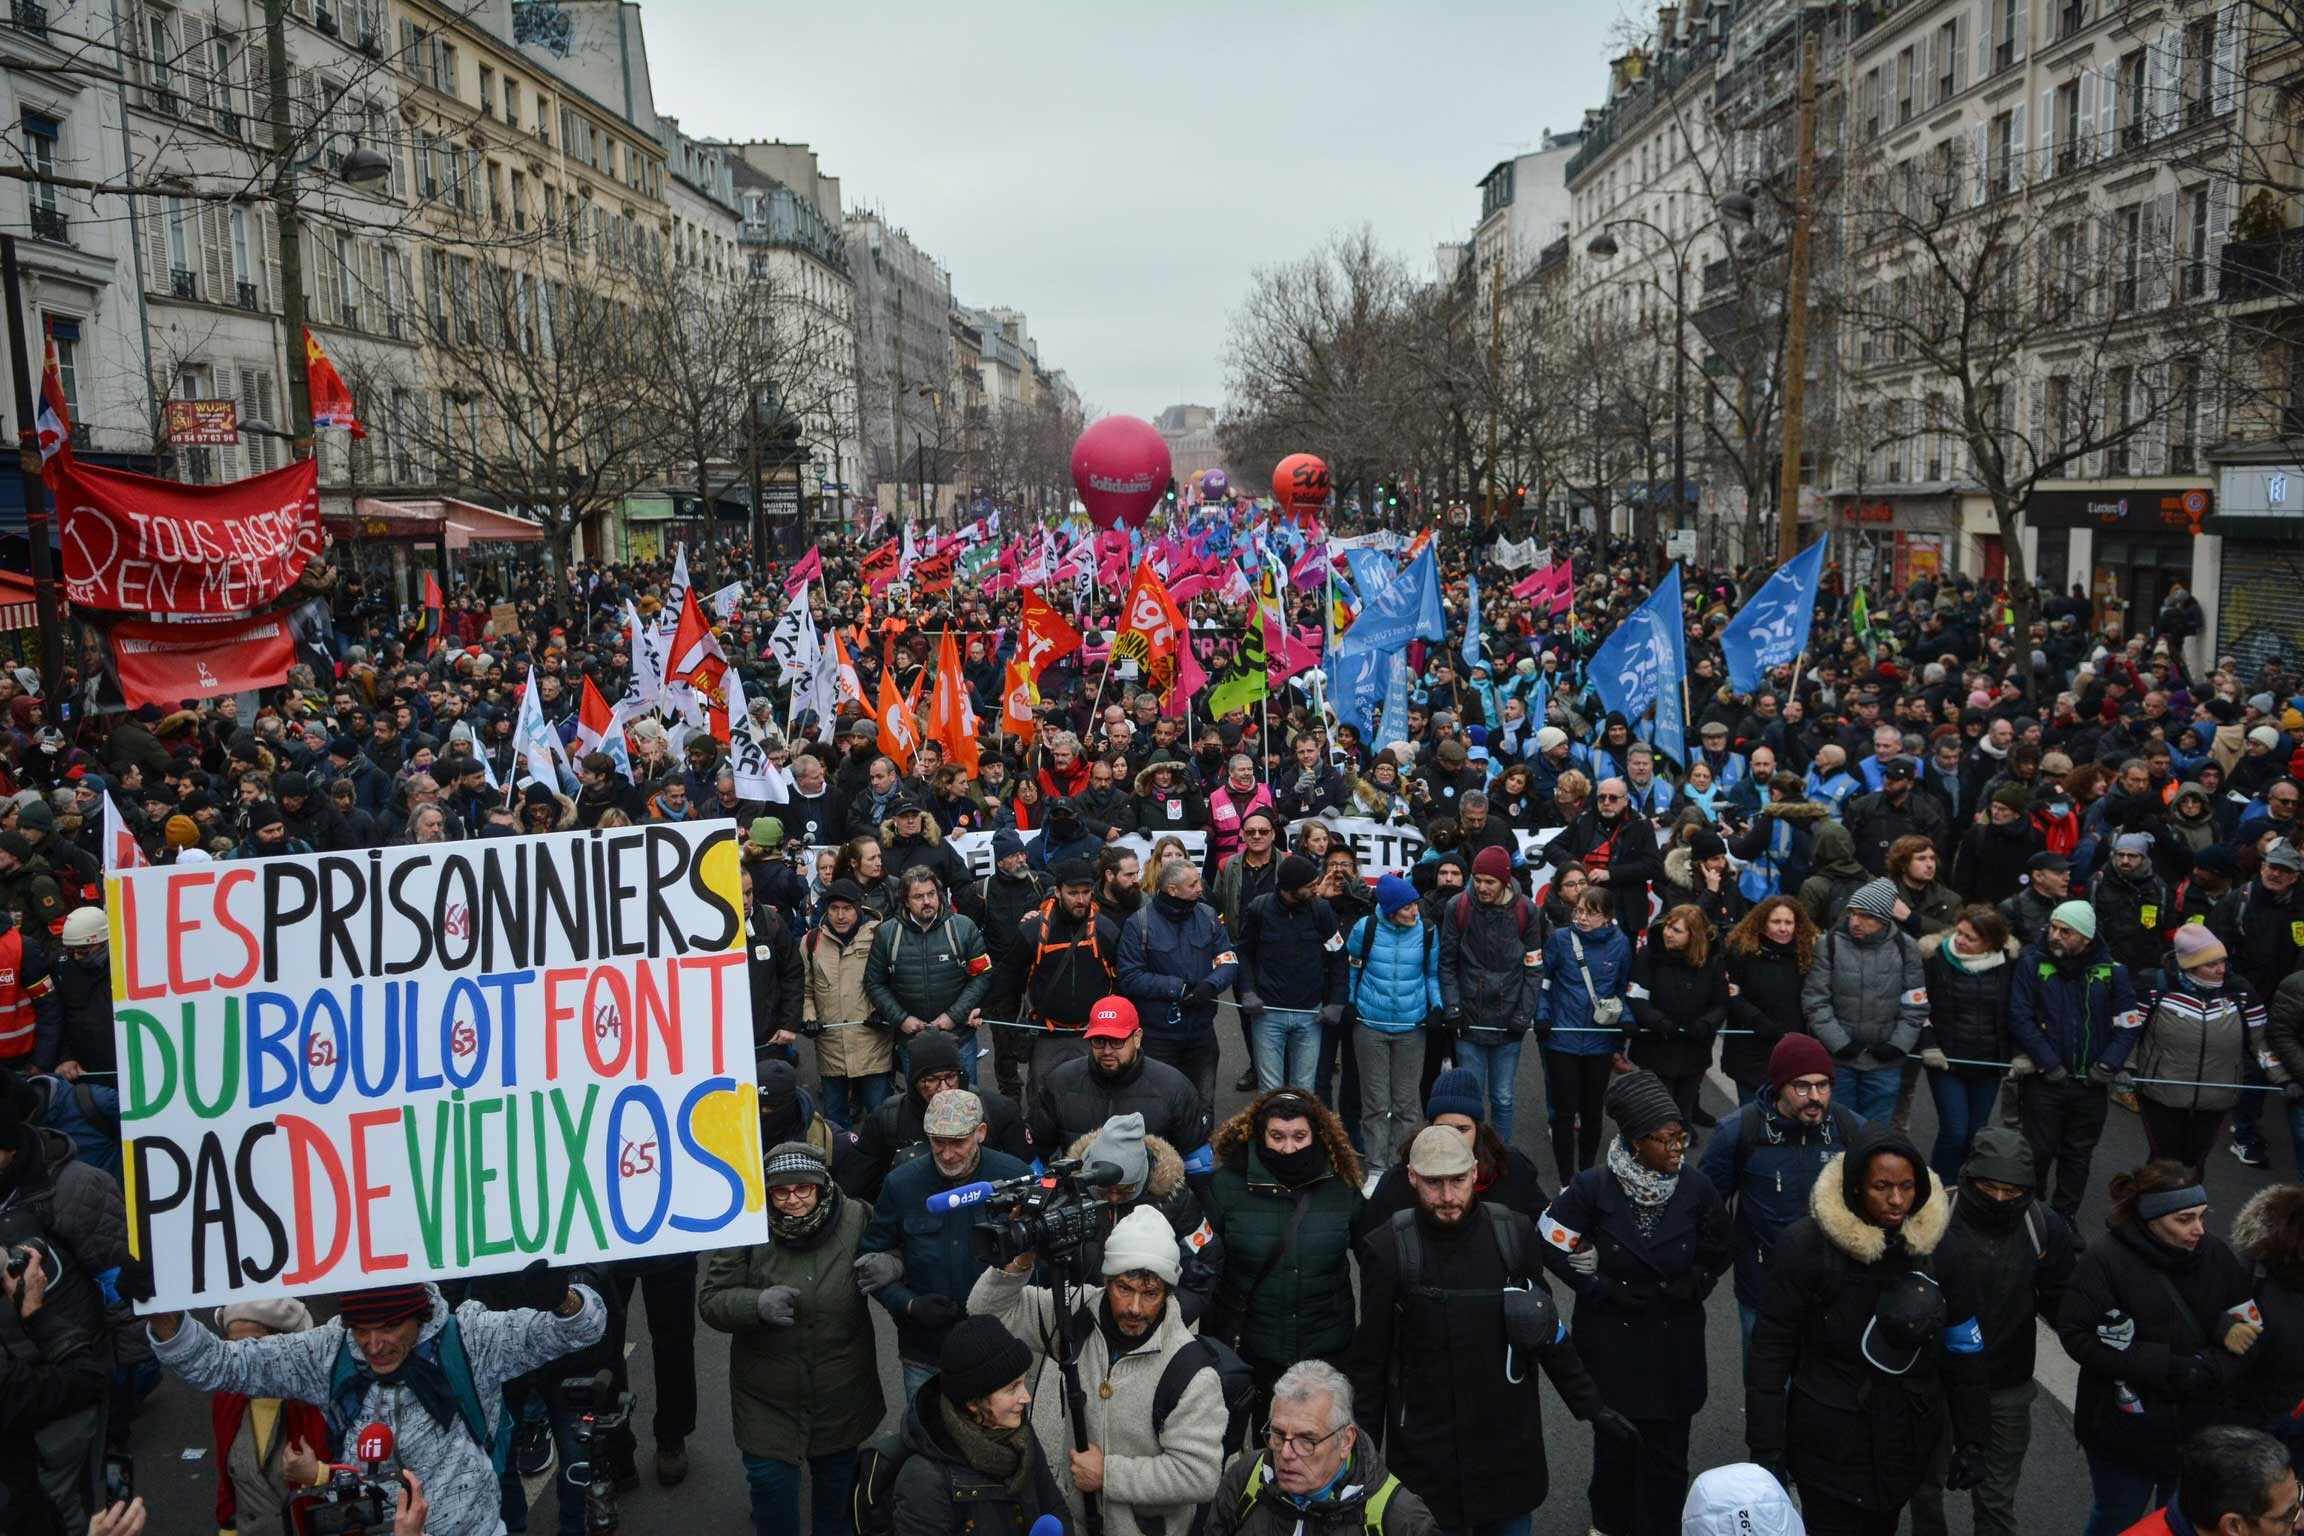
(812, 1028)
(2123, 1083)
(2240, 1337)
(1585, 1260)
(1848, 1052)
(875, 1270)
(777, 1305)
(2191, 1376)
(2293, 1092)
(934, 1311)
(1686, 1286)
(1452, 1015)
(1887, 1055)
(1251, 1004)
(2100, 1074)
(1966, 1470)
(1201, 991)
(541, 1287)
(134, 1281)
(1935, 1060)
(1331, 1015)
(2020, 1065)
(1615, 1426)
(2117, 1331)
(2056, 1075)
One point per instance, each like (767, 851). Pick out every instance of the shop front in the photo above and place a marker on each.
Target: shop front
(2258, 534)
(2125, 545)
(1888, 544)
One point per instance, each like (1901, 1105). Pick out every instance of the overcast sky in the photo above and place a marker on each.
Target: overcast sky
(1117, 172)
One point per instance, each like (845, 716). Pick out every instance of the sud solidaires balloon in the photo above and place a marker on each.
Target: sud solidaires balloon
(1120, 469)
(1300, 485)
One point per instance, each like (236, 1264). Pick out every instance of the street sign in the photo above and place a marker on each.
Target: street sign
(1681, 545)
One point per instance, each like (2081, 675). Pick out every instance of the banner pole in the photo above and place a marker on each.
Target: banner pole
(35, 490)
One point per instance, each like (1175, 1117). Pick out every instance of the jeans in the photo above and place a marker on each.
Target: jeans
(2124, 1494)
(1963, 1107)
(915, 1377)
(1193, 1055)
(849, 1099)
(1287, 1044)
(776, 1493)
(1389, 1111)
(1495, 1065)
(1994, 1499)
(1869, 1091)
(2064, 1121)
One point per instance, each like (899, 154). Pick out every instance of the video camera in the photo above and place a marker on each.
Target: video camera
(348, 1503)
(603, 1414)
(1051, 1214)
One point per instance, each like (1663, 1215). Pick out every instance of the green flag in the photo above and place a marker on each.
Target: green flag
(1860, 620)
(1247, 686)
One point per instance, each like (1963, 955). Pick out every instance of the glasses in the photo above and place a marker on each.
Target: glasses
(1809, 1087)
(791, 1194)
(1256, 832)
(940, 1080)
(1301, 1445)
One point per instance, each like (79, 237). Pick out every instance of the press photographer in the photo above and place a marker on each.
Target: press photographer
(1152, 1178)
(49, 1370)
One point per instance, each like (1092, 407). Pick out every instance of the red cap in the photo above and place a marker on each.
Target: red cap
(1113, 1018)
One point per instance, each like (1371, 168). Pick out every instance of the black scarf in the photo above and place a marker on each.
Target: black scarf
(1301, 1166)
(420, 1373)
(806, 1231)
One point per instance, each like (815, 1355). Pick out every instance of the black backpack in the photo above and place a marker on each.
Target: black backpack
(872, 1502)
(1233, 1377)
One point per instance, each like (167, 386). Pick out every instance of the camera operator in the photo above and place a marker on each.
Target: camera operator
(50, 1370)
(1148, 1470)
(382, 1360)
(920, 1263)
(1152, 1178)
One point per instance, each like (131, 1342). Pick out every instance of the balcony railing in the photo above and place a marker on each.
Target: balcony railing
(245, 294)
(183, 284)
(2262, 269)
(51, 224)
(29, 16)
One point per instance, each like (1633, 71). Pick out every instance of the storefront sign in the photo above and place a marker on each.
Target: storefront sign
(203, 423)
(2129, 511)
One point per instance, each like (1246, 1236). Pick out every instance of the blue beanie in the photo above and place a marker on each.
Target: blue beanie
(1394, 892)
(1455, 1092)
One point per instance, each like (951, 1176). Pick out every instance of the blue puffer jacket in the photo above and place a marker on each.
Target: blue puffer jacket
(2076, 1013)
(1565, 1024)
(1399, 981)
(1162, 954)
(938, 1250)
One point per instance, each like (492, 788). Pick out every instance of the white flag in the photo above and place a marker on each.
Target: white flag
(756, 777)
(120, 847)
(669, 616)
(535, 739)
(646, 642)
(909, 557)
(723, 602)
(794, 643)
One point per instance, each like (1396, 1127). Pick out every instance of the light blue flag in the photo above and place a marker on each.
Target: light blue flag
(1642, 662)
(1355, 686)
(1372, 569)
(1772, 628)
(1408, 608)
(1471, 623)
(1395, 716)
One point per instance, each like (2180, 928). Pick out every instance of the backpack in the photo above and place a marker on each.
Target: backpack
(1408, 1248)
(879, 1461)
(1371, 1512)
(1460, 912)
(457, 1366)
(1233, 1378)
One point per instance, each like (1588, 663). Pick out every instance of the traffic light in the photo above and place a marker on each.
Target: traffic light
(1171, 487)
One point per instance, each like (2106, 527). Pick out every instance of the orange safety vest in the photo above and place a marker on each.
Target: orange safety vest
(17, 1025)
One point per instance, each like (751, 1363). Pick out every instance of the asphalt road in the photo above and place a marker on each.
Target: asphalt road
(176, 1464)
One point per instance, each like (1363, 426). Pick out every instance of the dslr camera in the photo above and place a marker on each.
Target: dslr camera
(1051, 1214)
(345, 1505)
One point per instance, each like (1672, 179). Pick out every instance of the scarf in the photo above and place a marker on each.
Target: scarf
(420, 1373)
(997, 1453)
(1973, 965)
(1307, 1162)
(1650, 1190)
(802, 1231)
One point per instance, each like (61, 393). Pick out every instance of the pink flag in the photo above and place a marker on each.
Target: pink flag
(809, 567)
(1112, 560)
(1311, 567)
(1191, 677)
(1552, 585)
(1185, 588)
(1287, 653)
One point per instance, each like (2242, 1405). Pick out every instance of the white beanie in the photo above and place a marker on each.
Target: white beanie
(1740, 1499)
(1549, 737)
(2265, 736)
(1142, 1239)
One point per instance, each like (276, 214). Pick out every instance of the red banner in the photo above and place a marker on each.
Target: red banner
(141, 545)
(934, 573)
(166, 664)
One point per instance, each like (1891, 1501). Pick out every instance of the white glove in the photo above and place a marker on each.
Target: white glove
(2020, 1065)
(1935, 1060)
(2117, 1331)
(1585, 1260)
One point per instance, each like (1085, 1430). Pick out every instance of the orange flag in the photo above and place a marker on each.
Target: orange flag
(1047, 636)
(951, 722)
(1016, 701)
(899, 732)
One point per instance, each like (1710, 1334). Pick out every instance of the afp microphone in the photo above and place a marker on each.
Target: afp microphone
(1047, 1525)
(954, 1199)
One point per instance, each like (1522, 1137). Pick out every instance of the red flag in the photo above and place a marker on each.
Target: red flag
(1047, 636)
(120, 847)
(951, 722)
(1016, 700)
(55, 421)
(934, 573)
(696, 660)
(428, 625)
(331, 400)
(879, 567)
(1151, 628)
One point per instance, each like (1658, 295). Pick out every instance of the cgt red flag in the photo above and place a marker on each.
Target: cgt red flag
(165, 664)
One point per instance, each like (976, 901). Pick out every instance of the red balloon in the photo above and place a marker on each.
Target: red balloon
(1120, 469)
(1300, 485)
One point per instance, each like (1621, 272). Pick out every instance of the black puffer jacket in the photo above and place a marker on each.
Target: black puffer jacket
(2272, 1384)
(2183, 1378)
(1677, 1008)
(1075, 1098)
(1764, 998)
(2134, 918)
(51, 1198)
(1967, 1004)
(1813, 1398)
(938, 1493)
(1492, 964)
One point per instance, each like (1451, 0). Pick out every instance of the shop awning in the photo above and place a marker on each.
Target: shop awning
(469, 523)
(16, 606)
(461, 523)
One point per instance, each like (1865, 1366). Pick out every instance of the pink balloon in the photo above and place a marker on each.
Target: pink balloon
(1120, 470)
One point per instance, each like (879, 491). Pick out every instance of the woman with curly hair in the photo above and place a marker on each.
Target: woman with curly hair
(1283, 1198)
(1770, 950)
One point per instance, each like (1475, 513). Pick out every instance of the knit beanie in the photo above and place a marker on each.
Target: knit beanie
(1455, 1092)
(795, 1162)
(1797, 1056)
(1876, 899)
(2196, 947)
(980, 1357)
(1143, 1239)
(2013, 797)
(280, 1314)
(1297, 872)
(1640, 1105)
(933, 1051)
(182, 832)
(384, 1305)
(1493, 862)
(2077, 916)
(1121, 1143)
(1394, 892)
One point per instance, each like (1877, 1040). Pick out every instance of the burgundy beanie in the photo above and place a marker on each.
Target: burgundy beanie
(384, 1305)
(1493, 862)
(1797, 1056)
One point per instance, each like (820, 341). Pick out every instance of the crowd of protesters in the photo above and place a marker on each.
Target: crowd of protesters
(2050, 874)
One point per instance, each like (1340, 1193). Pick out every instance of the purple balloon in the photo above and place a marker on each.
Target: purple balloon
(1213, 484)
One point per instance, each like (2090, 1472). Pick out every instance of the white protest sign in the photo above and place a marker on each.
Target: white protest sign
(340, 1071)
(1381, 848)
(976, 847)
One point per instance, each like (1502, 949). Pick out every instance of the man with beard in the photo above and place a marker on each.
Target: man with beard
(1059, 965)
(1435, 1343)
(2134, 910)
(921, 1264)
(1875, 821)
(1119, 882)
(1617, 848)
(1156, 1426)
(1116, 1077)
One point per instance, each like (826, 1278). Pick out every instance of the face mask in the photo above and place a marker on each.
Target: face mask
(1293, 1168)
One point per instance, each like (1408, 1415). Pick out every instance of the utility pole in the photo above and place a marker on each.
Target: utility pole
(1495, 375)
(35, 490)
(1796, 296)
(291, 226)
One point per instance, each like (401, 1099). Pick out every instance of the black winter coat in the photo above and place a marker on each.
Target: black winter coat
(1875, 822)
(1627, 851)
(896, 1133)
(1813, 1400)
(1763, 998)
(1492, 964)
(1967, 1010)
(2260, 929)
(2020, 1257)
(1430, 1363)
(1640, 1316)
(1677, 1008)
(2182, 1376)
(1075, 1098)
(2134, 919)
(1989, 867)
(1291, 957)
(2271, 1388)
(1517, 1186)
(777, 976)
(937, 1493)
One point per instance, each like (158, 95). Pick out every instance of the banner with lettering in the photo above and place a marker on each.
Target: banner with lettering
(1381, 848)
(343, 1070)
(140, 545)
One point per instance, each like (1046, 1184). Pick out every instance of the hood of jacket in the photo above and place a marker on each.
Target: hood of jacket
(1800, 811)
(1851, 1233)
(1144, 784)
(1680, 867)
(1835, 855)
(930, 833)
(1167, 1168)
(2258, 1230)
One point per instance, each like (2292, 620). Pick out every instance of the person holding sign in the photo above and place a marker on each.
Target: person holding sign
(395, 1355)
